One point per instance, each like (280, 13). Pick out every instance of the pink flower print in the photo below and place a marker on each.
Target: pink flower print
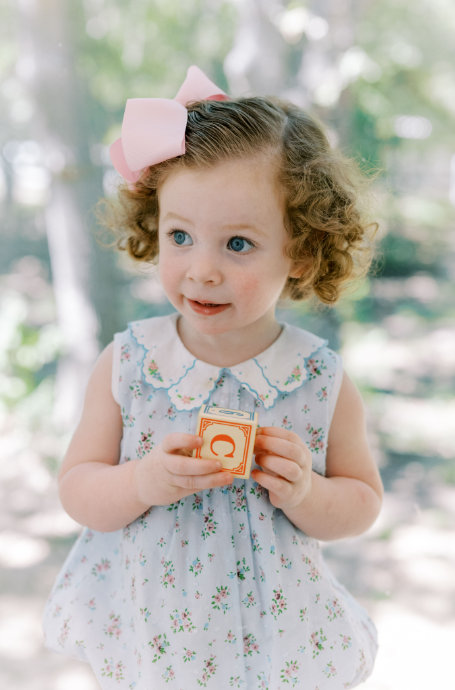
(230, 636)
(84, 559)
(305, 409)
(188, 653)
(274, 609)
(262, 516)
(321, 445)
(153, 370)
(197, 595)
(217, 598)
(185, 399)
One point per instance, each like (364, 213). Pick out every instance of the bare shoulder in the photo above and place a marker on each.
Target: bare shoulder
(348, 452)
(99, 432)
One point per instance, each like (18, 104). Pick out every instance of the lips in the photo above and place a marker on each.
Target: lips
(207, 308)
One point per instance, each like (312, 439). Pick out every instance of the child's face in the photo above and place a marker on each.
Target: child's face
(222, 242)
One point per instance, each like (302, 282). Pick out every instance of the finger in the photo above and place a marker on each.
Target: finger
(289, 470)
(275, 484)
(183, 465)
(199, 483)
(176, 441)
(279, 432)
(282, 447)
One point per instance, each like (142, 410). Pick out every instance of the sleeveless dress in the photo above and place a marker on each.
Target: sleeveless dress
(218, 590)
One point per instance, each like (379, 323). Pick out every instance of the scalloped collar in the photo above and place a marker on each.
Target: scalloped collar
(167, 364)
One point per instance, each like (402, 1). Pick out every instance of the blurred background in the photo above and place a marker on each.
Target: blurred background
(381, 75)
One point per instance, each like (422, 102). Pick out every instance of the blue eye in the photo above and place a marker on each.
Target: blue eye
(181, 237)
(240, 245)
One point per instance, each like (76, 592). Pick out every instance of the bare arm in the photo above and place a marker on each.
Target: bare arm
(347, 501)
(94, 489)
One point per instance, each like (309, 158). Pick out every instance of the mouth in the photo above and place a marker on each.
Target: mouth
(207, 308)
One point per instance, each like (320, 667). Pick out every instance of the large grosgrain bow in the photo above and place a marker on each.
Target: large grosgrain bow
(153, 129)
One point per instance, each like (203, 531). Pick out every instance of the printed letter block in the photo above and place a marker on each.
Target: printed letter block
(228, 437)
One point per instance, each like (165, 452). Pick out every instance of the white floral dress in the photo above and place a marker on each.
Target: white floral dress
(220, 589)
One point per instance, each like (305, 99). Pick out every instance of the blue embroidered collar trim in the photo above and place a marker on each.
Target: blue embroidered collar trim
(281, 368)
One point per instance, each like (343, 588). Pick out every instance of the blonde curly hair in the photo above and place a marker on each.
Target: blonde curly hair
(330, 238)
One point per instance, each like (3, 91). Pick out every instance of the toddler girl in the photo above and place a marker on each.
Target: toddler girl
(184, 575)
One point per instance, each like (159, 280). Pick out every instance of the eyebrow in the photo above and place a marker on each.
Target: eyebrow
(230, 226)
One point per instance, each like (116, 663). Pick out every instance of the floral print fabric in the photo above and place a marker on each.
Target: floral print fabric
(219, 590)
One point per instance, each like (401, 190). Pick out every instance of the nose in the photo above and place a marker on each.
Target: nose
(204, 267)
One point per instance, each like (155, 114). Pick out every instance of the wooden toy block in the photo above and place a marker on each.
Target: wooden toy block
(228, 437)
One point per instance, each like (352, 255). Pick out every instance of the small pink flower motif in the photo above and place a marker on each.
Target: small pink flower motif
(283, 560)
(99, 567)
(288, 671)
(189, 653)
(177, 524)
(238, 502)
(282, 604)
(171, 579)
(153, 366)
(171, 673)
(321, 444)
(255, 647)
(161, 540)
(162, 561)
(183, 543)
(313, 443)
(118, 632)
(262, 614)
(210, 527)
(156, 640)
(277, 595)
(204, 677)
(217, 598)
(311, 362)
(147, 447)
(197, 500)
(186, 399)
(245, 648)
(274, 608)
(324, 394)
(223, 594)
(308, 427)
(230, 636)
(84, 559)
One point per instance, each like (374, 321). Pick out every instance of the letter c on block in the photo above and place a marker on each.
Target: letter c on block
(223, 437)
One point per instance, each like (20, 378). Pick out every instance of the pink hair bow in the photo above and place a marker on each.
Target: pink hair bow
(153, 129)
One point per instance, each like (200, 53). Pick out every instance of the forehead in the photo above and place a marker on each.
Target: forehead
(234, 191)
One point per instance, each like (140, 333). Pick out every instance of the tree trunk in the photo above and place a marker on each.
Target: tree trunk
(46, 67)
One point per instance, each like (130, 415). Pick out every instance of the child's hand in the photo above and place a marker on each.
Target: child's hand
(287, 466)
(168, 473)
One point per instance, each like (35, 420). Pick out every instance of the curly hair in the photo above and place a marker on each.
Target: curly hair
(330, 238)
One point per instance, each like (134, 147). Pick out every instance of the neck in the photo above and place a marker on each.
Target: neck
(232, 347)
